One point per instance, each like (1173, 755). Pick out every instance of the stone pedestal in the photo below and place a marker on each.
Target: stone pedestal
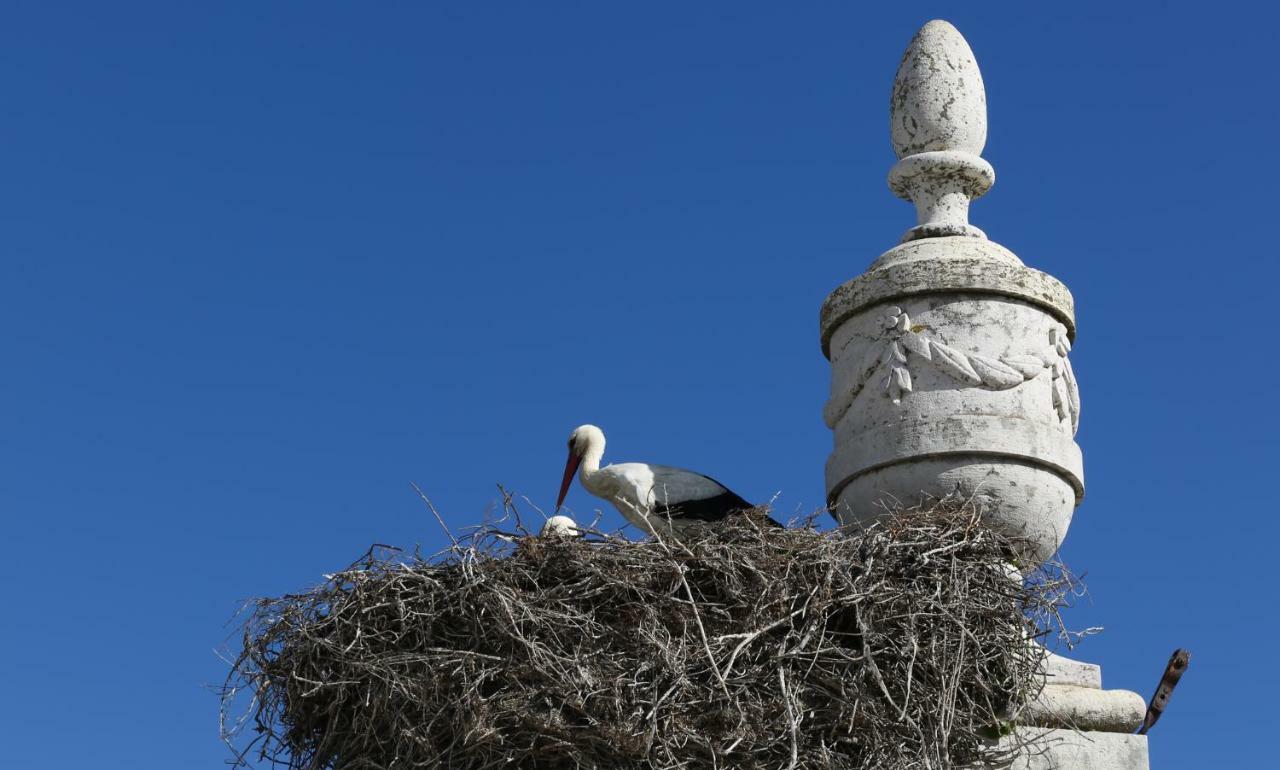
(1076, 725)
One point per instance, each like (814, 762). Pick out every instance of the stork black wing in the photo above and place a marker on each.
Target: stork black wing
(703, 509)
(715, 507)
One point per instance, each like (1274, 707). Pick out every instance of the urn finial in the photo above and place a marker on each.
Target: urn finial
(938, 125)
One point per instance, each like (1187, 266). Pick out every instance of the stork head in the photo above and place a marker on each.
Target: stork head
(585, 439)
(560, 526)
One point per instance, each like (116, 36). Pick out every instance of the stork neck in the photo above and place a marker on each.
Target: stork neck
(590, 468)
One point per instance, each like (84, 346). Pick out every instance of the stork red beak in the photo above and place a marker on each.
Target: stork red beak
(570, 468)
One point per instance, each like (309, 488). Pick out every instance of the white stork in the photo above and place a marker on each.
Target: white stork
(653, 497)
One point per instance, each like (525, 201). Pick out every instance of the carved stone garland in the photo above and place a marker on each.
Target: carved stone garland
(902, 338)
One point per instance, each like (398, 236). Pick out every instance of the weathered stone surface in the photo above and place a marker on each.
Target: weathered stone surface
(1022, 500)
(1071, 750)
(941, 184)
(1084, 708)
(1060, 670)
(945, 264)
(938, 124)
(939, 101)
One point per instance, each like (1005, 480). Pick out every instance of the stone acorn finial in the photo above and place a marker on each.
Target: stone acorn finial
(938, 125)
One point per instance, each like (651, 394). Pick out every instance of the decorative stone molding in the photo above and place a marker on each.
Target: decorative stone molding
(933, 265)
(887, 362)
(1085, 708)
(950, 369)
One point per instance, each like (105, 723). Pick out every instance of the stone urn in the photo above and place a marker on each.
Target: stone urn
(950, 373)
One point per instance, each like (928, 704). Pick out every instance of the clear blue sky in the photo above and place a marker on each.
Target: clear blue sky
(265, 264)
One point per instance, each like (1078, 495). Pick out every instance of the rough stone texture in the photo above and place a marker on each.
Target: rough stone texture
(939, 101)
(938, 124)
(1060, 670)
(941, 184)
(1085, 708)
(1071, 750)
(933, 265)
(1029, 501)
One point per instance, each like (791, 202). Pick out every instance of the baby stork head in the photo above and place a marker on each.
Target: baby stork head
(560, 526)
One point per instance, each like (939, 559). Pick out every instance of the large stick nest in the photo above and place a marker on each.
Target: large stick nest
(904, 646)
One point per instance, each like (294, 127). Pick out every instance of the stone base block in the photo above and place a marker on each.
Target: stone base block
(1070, 750)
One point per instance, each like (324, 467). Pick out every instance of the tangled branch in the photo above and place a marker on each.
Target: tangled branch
(904, 646)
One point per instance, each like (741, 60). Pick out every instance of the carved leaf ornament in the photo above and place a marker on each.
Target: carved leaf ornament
(887, 363)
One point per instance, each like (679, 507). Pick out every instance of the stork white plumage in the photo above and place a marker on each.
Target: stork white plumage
(560, 526)
(656, 498)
